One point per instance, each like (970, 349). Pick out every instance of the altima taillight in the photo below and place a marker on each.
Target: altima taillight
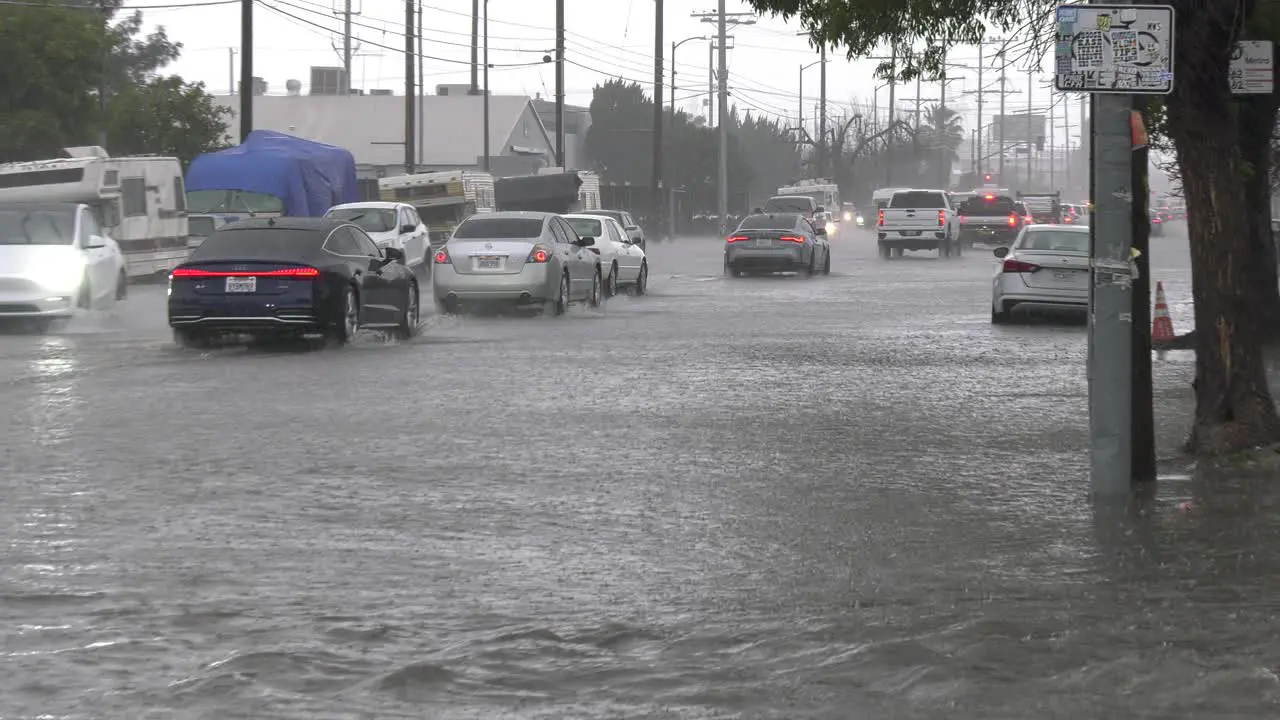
(540, 254)
(442, 257)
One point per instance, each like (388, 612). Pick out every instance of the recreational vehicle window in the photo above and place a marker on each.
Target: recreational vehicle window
(179, 195)
(232, 201)
(133, 191)
(41, 177)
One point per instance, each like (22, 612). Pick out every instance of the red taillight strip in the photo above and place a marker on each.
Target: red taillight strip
(791, 238)
(298, 272)
(737, 238)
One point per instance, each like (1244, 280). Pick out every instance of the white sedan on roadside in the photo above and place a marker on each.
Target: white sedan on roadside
(624, 262)
(389, 224)
(1046, 268)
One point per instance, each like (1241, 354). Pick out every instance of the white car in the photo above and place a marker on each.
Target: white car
(56, 260)
(1046, 268)
(390, 225)
(624, 262)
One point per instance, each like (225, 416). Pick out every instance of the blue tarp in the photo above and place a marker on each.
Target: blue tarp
(310, 177)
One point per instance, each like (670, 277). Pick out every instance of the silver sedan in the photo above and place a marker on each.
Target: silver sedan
(1046, 268)
(530, 259)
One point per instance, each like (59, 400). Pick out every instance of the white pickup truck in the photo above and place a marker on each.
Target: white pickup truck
(918, 220)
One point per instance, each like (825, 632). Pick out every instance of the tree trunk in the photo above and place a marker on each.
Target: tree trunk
(1234, 409)
(1256, 117)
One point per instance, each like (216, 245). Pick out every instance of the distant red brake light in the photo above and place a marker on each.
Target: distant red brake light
(1013, 220)
(737, 238)
(1018, 266)
(441, 257)
(791, 239)
(880, 219)
(988, 197)
(298, 272)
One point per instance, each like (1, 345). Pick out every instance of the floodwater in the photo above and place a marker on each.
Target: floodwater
(839, 497)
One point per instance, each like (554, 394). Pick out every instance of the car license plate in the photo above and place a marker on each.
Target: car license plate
(489, 263)
(911, 233)
(763, 242)
(1064, 275)
(986, 231)
(242, 284)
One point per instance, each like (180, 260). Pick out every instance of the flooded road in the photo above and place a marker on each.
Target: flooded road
(847, 496)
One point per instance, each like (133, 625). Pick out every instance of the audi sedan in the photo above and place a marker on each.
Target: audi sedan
(777, 242)
(1046, 269)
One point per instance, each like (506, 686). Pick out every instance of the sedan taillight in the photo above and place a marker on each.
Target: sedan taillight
(1018, 266)
(442, 257)
(541, 254)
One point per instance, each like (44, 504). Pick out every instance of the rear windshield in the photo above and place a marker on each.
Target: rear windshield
(615, 214)
(585, 227)
(1056, 240)
(375, 220)
(918, 199)
(798, 204)
(200, 226)
(997, 205)
(229, 243)
(500, 228)
(782, 221)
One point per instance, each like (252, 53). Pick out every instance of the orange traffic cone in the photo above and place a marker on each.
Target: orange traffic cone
(1161, 324)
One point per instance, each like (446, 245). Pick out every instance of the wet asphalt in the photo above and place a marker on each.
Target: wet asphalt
(840, 497)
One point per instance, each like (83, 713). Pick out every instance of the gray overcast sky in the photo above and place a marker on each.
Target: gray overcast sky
(764, 65)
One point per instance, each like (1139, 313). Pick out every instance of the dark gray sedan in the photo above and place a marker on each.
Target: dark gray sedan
(767, 243)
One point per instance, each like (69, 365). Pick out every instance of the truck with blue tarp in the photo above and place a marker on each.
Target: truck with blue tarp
(270, 174)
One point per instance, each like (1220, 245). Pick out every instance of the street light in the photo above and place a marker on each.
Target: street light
(800, 116)
(675, 45)
(671, 187)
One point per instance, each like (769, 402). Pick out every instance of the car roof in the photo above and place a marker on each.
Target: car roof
(1057, 228)
(370, 204)
(320, 224)
(594, 215)
(527, 214)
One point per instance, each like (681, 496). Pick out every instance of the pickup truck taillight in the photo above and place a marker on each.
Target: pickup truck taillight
(1013, 220)
(880, 217)
(942, 218)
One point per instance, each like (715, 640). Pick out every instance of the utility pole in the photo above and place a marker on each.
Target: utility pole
(559, 80)
(1004, 67)
(711, 83)
(1142, 462)
(978, 156)
(422, 81)
(231, 68)
(917, 102)
(475, 47)
(246, 69)
(1031, 78)
(723, 20)
(723, 76)
(348, 51)
(410, 125)
(485, 101)
(893, 100)
(822, 115)
(655, 180)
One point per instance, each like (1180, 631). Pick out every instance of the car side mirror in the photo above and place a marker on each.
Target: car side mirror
(95, 242)
(1000, 252)
(631, 228)
(586, 241)
(391, 255)
(407, 228)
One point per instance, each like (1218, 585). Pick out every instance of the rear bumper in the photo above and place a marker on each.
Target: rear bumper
(534, 283)
(1001, 236)
(766, 259)
(927, 239)
(1042, 301)
(242, 316)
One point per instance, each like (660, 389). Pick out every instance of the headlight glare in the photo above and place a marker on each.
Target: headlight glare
(63, 277)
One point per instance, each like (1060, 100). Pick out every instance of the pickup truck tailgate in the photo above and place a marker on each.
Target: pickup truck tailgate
(909, 219)
(987, 222)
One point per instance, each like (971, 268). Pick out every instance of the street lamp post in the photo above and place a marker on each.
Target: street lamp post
(671, 124)
(800, 106)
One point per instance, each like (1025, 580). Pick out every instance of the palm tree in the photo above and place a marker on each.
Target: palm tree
(942, 134)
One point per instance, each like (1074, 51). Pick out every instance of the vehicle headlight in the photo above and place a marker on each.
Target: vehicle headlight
(63, 277)
(860, 221)
(848, 216)
(831, 228)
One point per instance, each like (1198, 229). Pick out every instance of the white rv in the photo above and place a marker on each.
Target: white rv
(824, 193)
(443, 198)
(139, 200)
(588, 191)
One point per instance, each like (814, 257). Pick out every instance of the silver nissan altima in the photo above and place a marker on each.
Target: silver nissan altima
(531, 259)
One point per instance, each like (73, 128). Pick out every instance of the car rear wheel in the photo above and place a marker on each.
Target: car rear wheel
(826, 263)
(999, 317)
(122, 286)
(561, 303)
(611, 282)
(642, 280)
(349, 321)
(884, 251)
(409, 318)
(596, 298)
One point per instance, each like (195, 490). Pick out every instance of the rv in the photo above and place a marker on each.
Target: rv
(588, 190)
(825, 193)
(443, 199)
(139, 200)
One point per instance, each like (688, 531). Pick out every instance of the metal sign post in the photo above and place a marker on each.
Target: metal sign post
(1112, 52)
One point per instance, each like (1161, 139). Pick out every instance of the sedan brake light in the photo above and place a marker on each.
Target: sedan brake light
(1013, 220)
(1018, 266)
(791, 239)
(541, 254)
(737, 238)
(296, 272)
(442, 257)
